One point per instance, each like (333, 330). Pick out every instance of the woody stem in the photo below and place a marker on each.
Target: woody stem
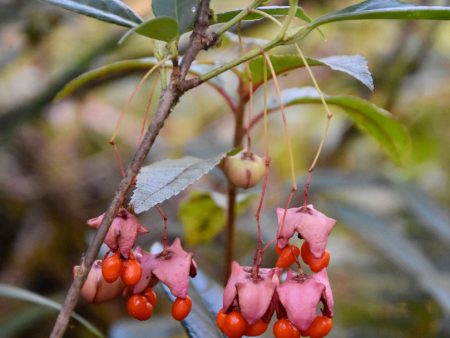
(232, 191)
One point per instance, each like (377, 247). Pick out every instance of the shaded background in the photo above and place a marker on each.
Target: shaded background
(390, 270)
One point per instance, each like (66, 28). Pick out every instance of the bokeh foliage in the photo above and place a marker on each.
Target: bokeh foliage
(57, 168)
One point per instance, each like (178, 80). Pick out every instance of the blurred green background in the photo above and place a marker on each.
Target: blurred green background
(390, 267)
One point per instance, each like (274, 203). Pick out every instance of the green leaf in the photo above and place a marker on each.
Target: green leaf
(161, 180)
(184, 12)
(14, 292)
(203, 214)
(384, 9)
(162, 28)
(201, 217)
(112, 11)
(353, 65)
(271, 10)
(391, 135)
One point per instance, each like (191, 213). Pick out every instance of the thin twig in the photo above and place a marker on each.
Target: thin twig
(258, 218)
(268, 16)
(259, 252)
(147, 108)
(325, 133)
(165, 219)
(288, 139)
(230, 227)
(118, 158)
(248, 75)
(232, 190)
(131, 97)
(266, 124)
(284, 119)
(286, 207)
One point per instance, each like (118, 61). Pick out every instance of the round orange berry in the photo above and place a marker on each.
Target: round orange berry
(131, 272)
(220, 320)
(315, 264)
(139, 307)
(320, 327)
(111, 268)
(288, 256)
(283, 328)
(256, 329)
(181, 308)
(150, 294)
(235, 325)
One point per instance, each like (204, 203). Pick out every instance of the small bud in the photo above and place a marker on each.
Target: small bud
(244, 169)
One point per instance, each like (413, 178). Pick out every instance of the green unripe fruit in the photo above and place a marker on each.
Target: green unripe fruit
(244, 169)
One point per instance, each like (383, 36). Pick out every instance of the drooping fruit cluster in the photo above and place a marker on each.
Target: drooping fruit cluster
(122, 263)
(123, 231)
(173, 267)
(134, 273)
(312, 226)
(299, 296)
(252, 296)
(248, 301)
(244, 169)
